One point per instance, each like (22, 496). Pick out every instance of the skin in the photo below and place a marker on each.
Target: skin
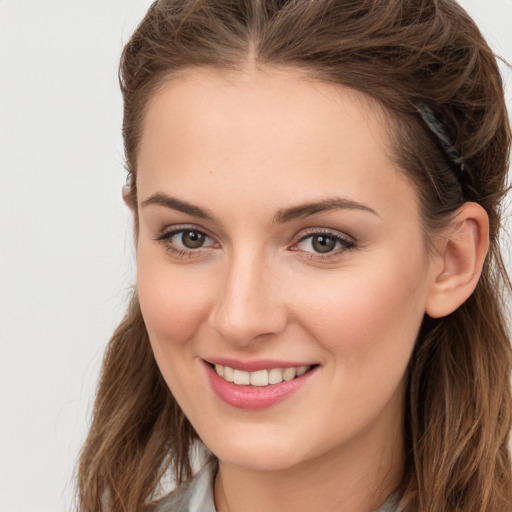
(243, 148)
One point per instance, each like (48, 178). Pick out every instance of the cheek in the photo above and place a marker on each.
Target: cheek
(173, 309)
(170, 299)
(369, 316)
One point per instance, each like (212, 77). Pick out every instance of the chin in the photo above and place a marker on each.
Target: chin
(262, 453)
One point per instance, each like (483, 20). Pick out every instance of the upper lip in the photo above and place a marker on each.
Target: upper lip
(256, 364)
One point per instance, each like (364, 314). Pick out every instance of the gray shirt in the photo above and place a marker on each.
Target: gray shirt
(196, 495)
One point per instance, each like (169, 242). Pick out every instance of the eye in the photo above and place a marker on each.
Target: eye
(186, 241)
(191, 239)
(319, 244)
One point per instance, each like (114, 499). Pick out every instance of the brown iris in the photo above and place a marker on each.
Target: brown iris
(323, 244)
(192, 239)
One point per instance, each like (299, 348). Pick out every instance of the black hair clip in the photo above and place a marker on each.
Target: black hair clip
(442, 137)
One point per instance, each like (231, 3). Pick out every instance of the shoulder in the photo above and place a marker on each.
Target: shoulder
(196, 495)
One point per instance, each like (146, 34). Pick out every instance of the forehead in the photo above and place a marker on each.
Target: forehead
(279, 102)
(235, 132)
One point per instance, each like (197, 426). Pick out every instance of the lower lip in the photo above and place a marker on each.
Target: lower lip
(254, 397)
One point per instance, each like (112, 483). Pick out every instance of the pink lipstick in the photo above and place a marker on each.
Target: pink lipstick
(256, 385)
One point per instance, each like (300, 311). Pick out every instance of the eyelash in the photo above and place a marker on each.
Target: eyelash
(343, 243)
(165, 239)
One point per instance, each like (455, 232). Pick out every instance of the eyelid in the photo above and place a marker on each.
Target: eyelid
(305, 233)
(348, 243)
(166, 235)
(169, 231)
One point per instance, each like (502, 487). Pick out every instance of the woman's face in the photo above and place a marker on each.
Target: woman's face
(277, 236)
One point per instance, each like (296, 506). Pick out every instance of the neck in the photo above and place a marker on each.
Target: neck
(355, 478)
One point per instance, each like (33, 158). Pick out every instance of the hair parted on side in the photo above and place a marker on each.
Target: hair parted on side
(399, 53)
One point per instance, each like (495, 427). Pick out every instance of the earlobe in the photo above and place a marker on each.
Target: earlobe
(457, 265)
(127, 198)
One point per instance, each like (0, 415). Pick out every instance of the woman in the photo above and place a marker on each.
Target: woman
(316, 191)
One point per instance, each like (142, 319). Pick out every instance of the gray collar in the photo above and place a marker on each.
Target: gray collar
(196, 495)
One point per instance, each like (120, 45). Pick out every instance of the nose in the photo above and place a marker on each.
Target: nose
(248, 306)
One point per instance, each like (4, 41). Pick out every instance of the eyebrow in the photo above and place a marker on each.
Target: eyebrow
(282, 216)
(177, 204)
(307, 209)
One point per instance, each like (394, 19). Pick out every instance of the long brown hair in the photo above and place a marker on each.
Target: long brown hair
(403, 54)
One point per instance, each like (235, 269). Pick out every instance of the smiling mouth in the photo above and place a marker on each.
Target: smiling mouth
(260, 378)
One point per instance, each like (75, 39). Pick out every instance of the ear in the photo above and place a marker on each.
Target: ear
(127, 197)
(457, 264)
(132, 205)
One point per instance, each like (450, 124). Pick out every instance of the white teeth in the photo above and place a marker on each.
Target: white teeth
(289, 373)
(241, 377)
(302, 370)
(275, 376)
(260, 377)
(229, 374)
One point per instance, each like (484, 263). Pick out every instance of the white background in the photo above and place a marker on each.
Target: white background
(66, 257)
